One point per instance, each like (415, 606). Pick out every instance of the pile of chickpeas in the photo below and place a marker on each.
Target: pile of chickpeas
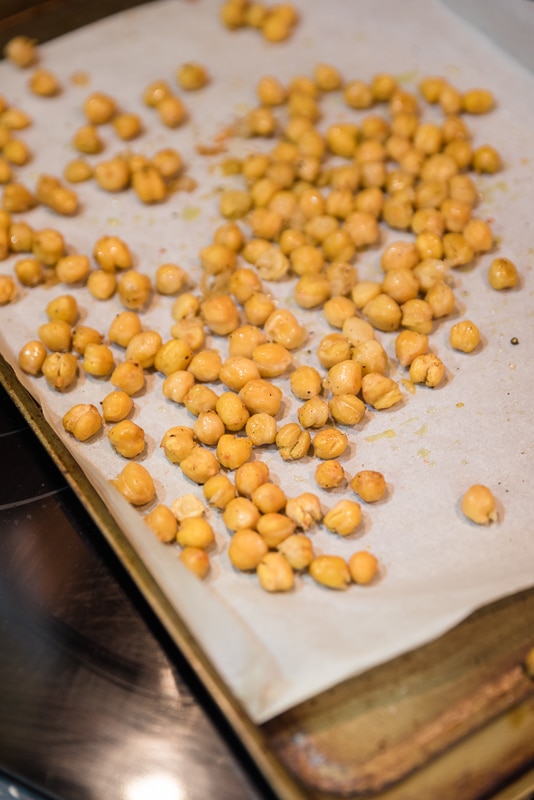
(300, 208)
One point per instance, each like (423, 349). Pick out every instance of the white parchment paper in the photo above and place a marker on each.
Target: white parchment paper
(275, 651)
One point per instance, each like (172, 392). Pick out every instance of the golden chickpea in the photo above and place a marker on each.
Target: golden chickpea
(177, 443)
(20, 237)
(244, 339)
(168, 162)
(171, 111)
(48, 246)
(427, 220)
(32, 356)
(236, 371)
(478, 504)
(441, 300)
(220, 314)
(344, 517)
(200, 398)
(272, 359)
(383, 312)
(275, 527)
(246, 549)
(148, 184)
(127, 126)
(244, 281)
(163, 523)
(502, 274)
(99, 108)
(330, 571)
(464, 336)
(218, 491)
(269, 498)
(314, 413)
(177, 385)
(346, 409)
(261, 396)
(78, 170)
(98, 360)
(379, 391)
(232, 410)
(275, 573)
(417, 316)
(135, 484)
(478, 101)
(249, 476)
(29, 271)
(400, 285)
(143, 348)
(429, 271)
(21, 51)
(101, 285)
(330, 443)
(304, 510)
(196, 561)
(171, 357)
(410, 345)
(371, 356)
(333, 348)
(427, 369)
(113, 175)
(82, 335)
(383, 86)
(195, 532)
(129, 377)
(17, 198)
(87, 140)
(338, 309)
(478, 235)
(240, 513)
(486, 160)
(124, 327)
(190, 331)
(60, 370)
(261, 429)
(199, 464)
(16, 152)
(204, 365)
(116, 406)
(329, 474)
(358, 94)
(306, 382)
(292, 442)
(155, 92)
(208, 428)
(364, 291)
(56, 334)
(429, 244)
(345, 377)
(233, 451)
(73, 269)
(63, 307)
(270, 91)
(83, 421)
(363, 567)
(312, 291)
(8, 290)
(234, 203)
(369, 485)
(134, 289)
(298, 550)
(127, 438)
(272, 265)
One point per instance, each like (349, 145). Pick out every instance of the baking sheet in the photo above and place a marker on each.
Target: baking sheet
(275, 651)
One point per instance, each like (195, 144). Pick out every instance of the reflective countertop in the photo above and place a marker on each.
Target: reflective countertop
(95, 701)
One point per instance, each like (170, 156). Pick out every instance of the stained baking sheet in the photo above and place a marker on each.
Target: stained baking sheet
(275, 651)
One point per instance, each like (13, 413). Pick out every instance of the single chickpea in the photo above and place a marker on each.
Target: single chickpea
(20, 237)
(127, 438)
(148, 184)
(486, 160)
(429, 271)
(399, 255)
(304, 510)
(177, 385)
(87, 140)
(62, 307)
(478, 505)
(48, 246)
(363, 567)
(113, 175)
(124, 327)
(417, 316)
(206, 365)
(21, 51)
(127, 126)
(379, 391)
(218, 491)
(208, 428)
(98, 360)
(441, 300)
(128, 377)
(8, 290)
(116, 406)
(101, 285)
(330, 571)
(83, 421)
(427, 369)
(271, 264)
(244, 339)
(134, 289)
(246, 549)
(56, 335)
(275, 573)
(190, 331)
(383, 312)
(177, 443)
(195, 532)
(143, 347)
(250, 475)
(346, 409)
(29, 271)
(236, 371)
(464, 336)
(327, 77)
(168, 162)
(269, 498)
(333, 348)
(398, 284)
(364, 291)
(478, 235)
(338, 309)
(199, 465)
(171, 111)
(371, 356)
(16, 152)
(292, 442)
(275, 527)
(233, 451)
(261, 396)
(272, 359)
(240, 513)
(163, 523)
(261, 429)
(410, 345)
(82, 335)
(155, 92)
(200, 398)
(173, 356)
(44, 83)
(196, 561)
(135, 484)
(32, 356)
(343, 518)
(60, 370)
(345, 377)
(369, 485)
(270, 91)
(232, 409)
(502, 274)
(314, 413)
(329, 474)
(305, 382)
(99, 108)
(220, 314)
(330, 443)
(73, 268)
(312, 291)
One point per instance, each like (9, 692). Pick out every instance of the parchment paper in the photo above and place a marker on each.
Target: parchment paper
(436, 567)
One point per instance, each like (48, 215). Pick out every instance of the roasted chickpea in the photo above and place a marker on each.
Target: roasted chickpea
(83, 421)
(464, 336)
(128, 377)
(199, 464)
(177, 443)
(502, 274)
(163, 523)
(246, 549)
(369, 484)
(116, 406)
(127, 438)
(363, 567)
(330, 571)
(98, 360)
(124, 327)
(32, 356)
(478, 504)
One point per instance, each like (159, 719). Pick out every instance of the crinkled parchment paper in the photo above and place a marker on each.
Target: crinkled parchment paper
(436, 567)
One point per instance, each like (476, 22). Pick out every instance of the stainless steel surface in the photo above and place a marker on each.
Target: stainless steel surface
(94, 699)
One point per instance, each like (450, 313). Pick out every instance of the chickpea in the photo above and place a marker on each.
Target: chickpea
(113, 175)
(478, 235)
(330, 571)
(87, 140)
(329, 474)
(116, 406)
(236, 371)
(205, 365)
(135, 483)
(233, 451)
(456, 250)
(177, 443)
(502, 274)
(232, 411)
(427, 369)
(261, 396)
(163, 523)
(143, 348)
(101, 285)
(208, 428)
(270, 91)
(16, 152)
(14, 119)
(82, 335)
(218, 491)
(364, 291)
(250, 475)
(346, 409)
(246, 549)
(478, 505)
(258, 308)
(327, 77)
(21, 51)
(275, 527)
(379, 391)
(369, 485)
(363, 567)
(220, 314)
(99, 108)
(399, 255)
(371, 356)
(56, 334)
(330, 443)
(48, 246)
(127, 126)
(168, 162)
(134, 289)
(275, 573)
(269, 498)
(124, 327)
(200, 398)
(196, 561)
(20, 237)
(240, 513)
(261, 429)
(155, 92)
(464, 336)
(357, 331)
(17, 198)
(98, 360)
(73, 269)
(129, 377)
(333, 348)
(172, 356)
(60, 370)
(244, 339)
(344, 377)
(32, 356)
(127, 438)
(338, 309)
(314, 413)
(8, 290)
(148, 184)
(78, 170)
(304, 510)
(195, 532)
(486, 160)
(417, 315)
(410, 345)
(199, 465)
(29, 271)
(429, 271)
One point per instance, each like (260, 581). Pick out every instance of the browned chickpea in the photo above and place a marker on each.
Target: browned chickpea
(83, 421)
(329, 474)
(32, 356)
(127, 438)
(82, 335)
(128, 377)
(124, 327)
(134, 289)
(99, 108)
(135, 484)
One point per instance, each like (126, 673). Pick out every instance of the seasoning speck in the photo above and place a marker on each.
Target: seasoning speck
(514, 340)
